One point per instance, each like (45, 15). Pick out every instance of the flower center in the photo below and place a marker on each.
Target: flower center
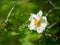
(37, 23)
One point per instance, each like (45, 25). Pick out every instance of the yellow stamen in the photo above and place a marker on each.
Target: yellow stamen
(37, 23)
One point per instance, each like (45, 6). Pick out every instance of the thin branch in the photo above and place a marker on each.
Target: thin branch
(51, 3)
(49, 11)
(10, 13)
(58, 37)
(52, 25)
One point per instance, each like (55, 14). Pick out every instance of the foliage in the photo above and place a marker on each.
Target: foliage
(16, 32)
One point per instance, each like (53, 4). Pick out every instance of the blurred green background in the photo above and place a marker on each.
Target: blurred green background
(16, 32)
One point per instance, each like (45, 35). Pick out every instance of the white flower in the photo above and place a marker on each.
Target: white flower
(38, 22)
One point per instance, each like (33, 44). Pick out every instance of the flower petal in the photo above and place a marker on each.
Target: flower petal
(33, 17)
(39, 14)
(40, 29)
(44, 20)
(43, 25)
(31, 26)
